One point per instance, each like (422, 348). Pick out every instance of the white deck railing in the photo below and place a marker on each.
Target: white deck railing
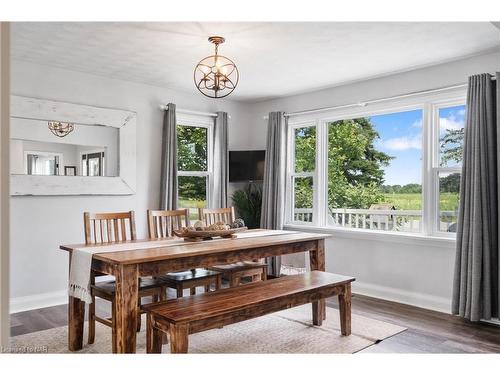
(388, 220)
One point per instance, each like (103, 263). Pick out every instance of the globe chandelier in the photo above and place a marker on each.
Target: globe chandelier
(60, 129)
(216, 76)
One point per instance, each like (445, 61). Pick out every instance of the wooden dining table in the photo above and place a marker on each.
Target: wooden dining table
(144, 258)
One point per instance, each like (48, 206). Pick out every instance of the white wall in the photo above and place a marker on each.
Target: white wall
(414, 272)
(40, 224)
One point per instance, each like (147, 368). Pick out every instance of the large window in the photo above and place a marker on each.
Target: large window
(194, 166)
(390, 169)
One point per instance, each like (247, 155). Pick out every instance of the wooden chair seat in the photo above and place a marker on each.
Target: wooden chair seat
(197, 273)
(236, 271)
(193, 314)
(191, 279)
(232, 267)
(145, 284)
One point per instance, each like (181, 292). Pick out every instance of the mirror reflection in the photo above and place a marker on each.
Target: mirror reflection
(63, 149)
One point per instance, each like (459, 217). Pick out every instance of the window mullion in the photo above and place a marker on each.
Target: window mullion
(320, 209)
(428, 179)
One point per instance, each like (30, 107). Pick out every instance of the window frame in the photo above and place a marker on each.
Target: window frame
(206, 122)
(429, 103)
(291, 174)
(436, 169)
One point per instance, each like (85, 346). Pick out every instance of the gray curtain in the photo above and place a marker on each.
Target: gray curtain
(273, 189)
(168, 185)
(476, 283)
(221, 166)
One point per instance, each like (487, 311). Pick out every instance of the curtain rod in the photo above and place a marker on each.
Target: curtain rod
(365, 103)
(189, 112)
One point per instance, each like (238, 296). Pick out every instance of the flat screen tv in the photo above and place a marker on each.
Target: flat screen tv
(246, 165)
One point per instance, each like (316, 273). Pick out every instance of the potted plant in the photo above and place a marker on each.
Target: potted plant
(248, 203)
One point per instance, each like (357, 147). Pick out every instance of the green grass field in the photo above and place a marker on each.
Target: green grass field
(448, 201)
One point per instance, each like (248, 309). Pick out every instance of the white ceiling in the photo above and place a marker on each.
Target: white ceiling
(274, 59)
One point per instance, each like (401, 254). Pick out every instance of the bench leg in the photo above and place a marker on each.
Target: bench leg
(154, 337)
(179, 338)
(345, 310)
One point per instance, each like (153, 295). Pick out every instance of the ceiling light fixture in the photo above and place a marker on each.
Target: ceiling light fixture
(216, 76)
(60, 129)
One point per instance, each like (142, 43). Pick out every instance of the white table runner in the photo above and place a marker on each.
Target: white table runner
(81, 258)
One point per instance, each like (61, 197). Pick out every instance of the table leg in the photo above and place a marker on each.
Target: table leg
(345, 310)
(126, 309)
(317, 260)
(76, 319)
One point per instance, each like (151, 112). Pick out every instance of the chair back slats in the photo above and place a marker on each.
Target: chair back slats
(213, 215)
(162, 223)
(109, 227)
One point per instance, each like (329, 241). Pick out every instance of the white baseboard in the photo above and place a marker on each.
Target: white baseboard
(38, 301)
(425, 301)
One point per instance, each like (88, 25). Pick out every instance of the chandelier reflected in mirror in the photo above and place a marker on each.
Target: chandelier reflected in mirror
(60, 129)
(216, 76)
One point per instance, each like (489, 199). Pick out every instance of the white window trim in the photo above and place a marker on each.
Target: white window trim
(291, 174)
(207, 122)
(435, 169)
(429, 104)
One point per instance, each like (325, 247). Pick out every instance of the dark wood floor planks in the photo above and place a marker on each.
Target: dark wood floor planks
(428, 331)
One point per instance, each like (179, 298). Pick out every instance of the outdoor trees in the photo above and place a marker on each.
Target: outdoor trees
(192, 156)
(355, 167)
(451, 151)
(451, 146)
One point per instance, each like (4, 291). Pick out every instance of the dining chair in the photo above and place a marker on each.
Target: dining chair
(215, 215)
(161, 224)
(111, 228)
(256, 270)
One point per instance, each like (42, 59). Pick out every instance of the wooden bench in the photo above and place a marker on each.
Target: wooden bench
(193, 314)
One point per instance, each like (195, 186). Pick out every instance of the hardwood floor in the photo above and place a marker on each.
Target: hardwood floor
(428, 331)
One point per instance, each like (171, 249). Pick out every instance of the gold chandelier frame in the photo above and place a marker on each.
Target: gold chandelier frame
(218, 73)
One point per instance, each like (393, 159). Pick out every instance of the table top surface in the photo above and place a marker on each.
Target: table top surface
(141, 251)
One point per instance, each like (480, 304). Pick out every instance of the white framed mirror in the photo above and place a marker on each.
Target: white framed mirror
(59, 148)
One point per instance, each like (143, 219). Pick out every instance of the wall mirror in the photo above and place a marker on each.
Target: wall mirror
(59, 148)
